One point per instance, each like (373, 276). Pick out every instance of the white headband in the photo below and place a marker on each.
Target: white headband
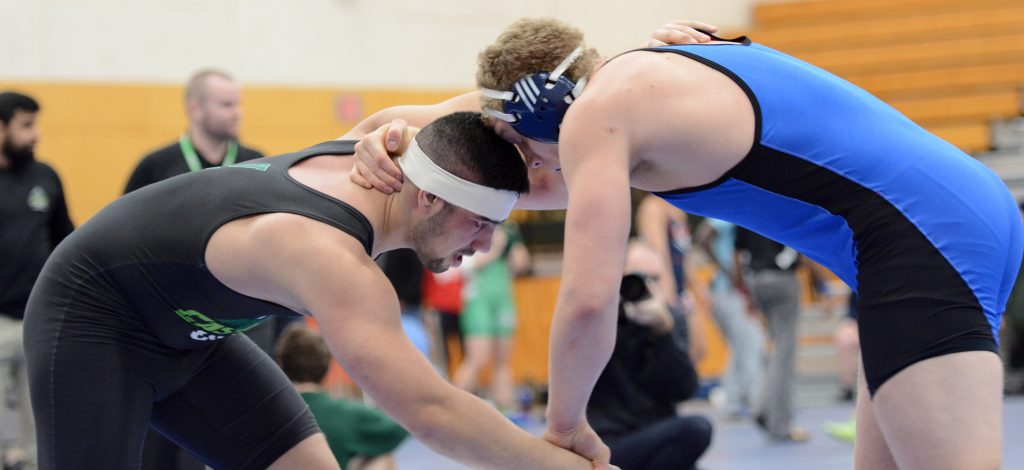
(495, 204)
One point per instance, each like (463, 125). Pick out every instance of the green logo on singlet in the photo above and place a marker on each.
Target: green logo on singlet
(217, 327)
(254, 166)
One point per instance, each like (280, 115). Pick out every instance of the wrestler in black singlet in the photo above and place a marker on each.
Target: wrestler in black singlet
(127, 326)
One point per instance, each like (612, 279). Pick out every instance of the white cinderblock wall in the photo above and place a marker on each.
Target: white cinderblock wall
(371, 43)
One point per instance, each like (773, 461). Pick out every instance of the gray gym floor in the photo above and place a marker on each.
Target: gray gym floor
(739, 446)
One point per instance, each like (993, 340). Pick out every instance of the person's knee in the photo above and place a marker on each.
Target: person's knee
(503, 353)
(844, 336)
(702, 431)
(477, 356)
(696, 431)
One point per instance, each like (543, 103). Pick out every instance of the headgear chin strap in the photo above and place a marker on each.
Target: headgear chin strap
(537, 102)
(495, 204)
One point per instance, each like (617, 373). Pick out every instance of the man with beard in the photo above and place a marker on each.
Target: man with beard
(35, 219)
(213, 101)
(132, 320)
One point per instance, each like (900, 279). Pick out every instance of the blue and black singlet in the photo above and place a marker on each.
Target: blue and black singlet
(928, 237)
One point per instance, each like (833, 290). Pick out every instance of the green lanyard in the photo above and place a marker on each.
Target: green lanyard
(192, 160)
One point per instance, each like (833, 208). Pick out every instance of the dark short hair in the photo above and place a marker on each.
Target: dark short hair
(466, 147)
(11, 101)
(303, 355)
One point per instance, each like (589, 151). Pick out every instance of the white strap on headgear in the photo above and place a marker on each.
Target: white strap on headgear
(566, 62)
(520, 87)
(495, 204)
(498, 95)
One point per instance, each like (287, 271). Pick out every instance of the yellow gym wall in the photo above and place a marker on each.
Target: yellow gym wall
(94, 134)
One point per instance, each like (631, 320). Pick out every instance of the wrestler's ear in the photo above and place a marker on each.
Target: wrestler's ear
(429, 202)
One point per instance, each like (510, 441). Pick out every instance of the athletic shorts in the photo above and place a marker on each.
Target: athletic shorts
(912, 305)
(490, 316)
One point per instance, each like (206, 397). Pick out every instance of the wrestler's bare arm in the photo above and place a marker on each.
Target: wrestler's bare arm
(415, 115)
(323, 272)
(595, 162)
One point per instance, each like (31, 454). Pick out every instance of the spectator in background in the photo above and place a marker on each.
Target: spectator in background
(633, 406)
(667, 229)
(442, 305)
(769, 273)
(847, 343)
(405, 271)
(846, 339)
(1013, 335)
(213, 103)
(34, 219)
(736, 319)
(361, 438)
(488, 319)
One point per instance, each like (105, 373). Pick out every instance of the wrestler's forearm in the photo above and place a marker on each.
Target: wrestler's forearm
(596, 234)
(375, 352)
(415, 115)
(581, 344)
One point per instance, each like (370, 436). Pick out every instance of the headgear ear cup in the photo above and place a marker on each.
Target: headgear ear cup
(540, 107)
(537, 102)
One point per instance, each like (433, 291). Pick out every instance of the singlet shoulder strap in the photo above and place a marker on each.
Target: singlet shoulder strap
(742, 40)
(325, 207)
(331, 147)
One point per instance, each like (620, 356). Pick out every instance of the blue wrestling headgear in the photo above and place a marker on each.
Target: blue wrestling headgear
(537, 102)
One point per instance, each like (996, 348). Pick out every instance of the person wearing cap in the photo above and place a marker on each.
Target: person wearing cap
(133, 319)
(929, 238)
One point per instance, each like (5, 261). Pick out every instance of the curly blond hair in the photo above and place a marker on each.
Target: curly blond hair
(531, 45)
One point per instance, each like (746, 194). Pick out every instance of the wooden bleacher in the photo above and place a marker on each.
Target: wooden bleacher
(952, 66)
(839, 11)
(1005, 18)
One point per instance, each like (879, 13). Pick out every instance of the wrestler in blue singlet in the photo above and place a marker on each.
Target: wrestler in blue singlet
(929, 237)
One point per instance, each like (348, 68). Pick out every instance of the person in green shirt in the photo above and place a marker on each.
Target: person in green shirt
(361, 437)
(488, 318)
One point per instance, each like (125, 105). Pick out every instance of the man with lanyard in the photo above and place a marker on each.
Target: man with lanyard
(213, 101)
